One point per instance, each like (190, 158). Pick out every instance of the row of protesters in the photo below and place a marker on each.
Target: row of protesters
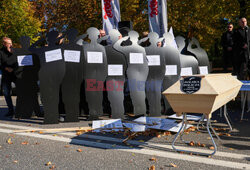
(235, 45)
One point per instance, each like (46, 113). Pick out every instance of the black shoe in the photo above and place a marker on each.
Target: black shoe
(9, 114)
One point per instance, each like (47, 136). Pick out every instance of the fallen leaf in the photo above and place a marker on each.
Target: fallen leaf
(167, 133)
(208, 137)
(191, 143)
(231, 149)
(173, 165)
(227, 134)
(198, 132)
(78, 133)
(133, 154)
(48, 163)
(54, 135)
(29, 125)
(158, 136)
(66, 146)
(141, 141)
(166, 138)
(198, 144)
(41, 132)
(79, 150)
(153, 159)
(37, 143)
(152, 167)
(15, 161)
(9, 141)
(52, 167)
(24, 143)
(203, 145)
(220, 134)
(211, 147)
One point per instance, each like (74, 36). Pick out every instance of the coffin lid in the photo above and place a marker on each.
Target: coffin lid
(211, 84)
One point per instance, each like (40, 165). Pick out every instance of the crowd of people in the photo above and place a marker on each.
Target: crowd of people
(235, 45)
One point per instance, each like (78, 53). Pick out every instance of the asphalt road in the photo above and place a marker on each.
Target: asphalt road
(67, 150)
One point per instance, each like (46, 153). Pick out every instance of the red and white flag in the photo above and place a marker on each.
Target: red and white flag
(110, 14)
(157, 13)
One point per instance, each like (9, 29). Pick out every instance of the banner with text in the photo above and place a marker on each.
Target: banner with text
(157, 13)
(110, 14)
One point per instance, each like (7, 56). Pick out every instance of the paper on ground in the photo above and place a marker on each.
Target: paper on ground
(189, 117)
(160, 124)
(112, 123)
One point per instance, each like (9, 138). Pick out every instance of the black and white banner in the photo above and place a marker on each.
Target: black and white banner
(157, 13)
(110, 14)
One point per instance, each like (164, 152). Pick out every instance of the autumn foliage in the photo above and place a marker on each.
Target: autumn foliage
(203, 19)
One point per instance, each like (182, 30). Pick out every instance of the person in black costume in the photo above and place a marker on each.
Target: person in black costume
(227, 44)
(241, 40)
(8, 75)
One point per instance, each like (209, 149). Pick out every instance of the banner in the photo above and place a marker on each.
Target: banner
(157, 13)
(110, 14)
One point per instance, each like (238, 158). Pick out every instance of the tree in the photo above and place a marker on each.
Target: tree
(17, 19)
(201, 18)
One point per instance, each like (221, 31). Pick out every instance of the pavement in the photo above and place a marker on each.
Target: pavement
(69, 150)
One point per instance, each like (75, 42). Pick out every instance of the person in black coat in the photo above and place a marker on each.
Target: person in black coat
(8, 75)
(227, 44)
(241, 40)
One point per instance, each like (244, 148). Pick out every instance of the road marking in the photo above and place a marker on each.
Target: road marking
(133, 142)
(164, 154)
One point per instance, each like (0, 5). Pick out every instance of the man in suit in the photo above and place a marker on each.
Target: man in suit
(241, 40)
(227, 44)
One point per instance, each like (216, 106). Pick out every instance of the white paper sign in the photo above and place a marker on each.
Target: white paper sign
(203, 70)
(53, 55)
(25, 60)
(104, 124)
(115, 70)
(94, 57)
(171, 70)
(72, 56)
(136, 58)
(153, 60)
(187, 71)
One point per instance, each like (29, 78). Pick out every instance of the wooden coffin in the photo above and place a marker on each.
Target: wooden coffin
(215, 91)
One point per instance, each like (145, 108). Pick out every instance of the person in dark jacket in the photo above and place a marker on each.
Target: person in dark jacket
(241, 40)
(227, 44)
(8, 75)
